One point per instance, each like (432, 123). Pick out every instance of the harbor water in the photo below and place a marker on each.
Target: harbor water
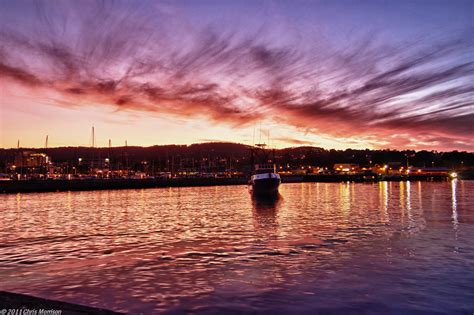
(386, 247)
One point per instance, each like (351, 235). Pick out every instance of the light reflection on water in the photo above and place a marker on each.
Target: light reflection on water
(385, 247)
(454, 203)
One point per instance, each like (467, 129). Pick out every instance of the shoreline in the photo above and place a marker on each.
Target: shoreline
(18, 303)
(26, 186)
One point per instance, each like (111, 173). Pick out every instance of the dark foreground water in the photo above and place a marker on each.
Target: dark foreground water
(328, 247)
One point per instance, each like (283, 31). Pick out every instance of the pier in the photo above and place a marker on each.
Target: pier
(49, 185)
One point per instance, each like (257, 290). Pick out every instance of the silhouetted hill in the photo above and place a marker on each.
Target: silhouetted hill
(239, 154)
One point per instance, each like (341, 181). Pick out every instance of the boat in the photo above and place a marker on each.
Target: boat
(4, 176)
(265, 181)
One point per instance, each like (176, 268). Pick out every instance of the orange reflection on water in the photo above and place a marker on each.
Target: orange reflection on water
(159, 246)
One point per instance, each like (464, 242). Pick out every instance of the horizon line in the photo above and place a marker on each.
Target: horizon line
(225, 142)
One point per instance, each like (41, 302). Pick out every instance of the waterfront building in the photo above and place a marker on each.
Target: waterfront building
(30, 159)
(346, 168)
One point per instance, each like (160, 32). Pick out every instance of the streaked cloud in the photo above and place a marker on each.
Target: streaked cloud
(147, 58)
(294, 141)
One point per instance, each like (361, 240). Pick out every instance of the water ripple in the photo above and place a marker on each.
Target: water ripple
(384, 247)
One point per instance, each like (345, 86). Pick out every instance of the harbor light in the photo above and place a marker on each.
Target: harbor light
(454, 175)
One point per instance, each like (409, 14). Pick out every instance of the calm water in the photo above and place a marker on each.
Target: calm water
(382, 248)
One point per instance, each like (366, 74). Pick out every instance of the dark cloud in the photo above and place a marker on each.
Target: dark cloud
(20, 75)
(135, 56)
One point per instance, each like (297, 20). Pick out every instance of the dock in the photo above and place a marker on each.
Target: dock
(49, 185)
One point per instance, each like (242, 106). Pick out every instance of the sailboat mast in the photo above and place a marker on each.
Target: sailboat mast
(93, 137)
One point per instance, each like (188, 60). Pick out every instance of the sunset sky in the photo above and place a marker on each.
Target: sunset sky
(335, 74)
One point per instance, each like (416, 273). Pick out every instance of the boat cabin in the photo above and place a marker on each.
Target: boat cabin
(264, 168)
